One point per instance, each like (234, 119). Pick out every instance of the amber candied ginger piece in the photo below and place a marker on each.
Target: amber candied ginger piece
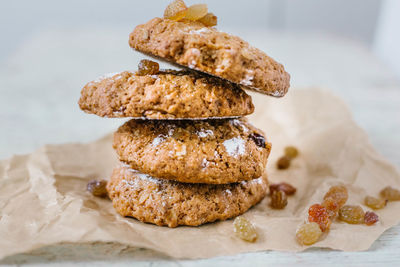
(244, 229)
(147, 67)
(209, 20)
(176, 10)
(390, 194)
(308, 233)
(318, 214)
(196, 12)
(375, 203)
(351, 214)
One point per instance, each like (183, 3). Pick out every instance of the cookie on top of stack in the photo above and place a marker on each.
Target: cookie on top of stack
(187, 156)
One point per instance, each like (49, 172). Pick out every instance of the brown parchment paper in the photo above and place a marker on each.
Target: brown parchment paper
(43, 199)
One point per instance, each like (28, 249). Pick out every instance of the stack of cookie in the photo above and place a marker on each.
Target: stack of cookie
(187, 155)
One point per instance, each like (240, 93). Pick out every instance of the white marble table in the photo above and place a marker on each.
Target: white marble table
(40, 85)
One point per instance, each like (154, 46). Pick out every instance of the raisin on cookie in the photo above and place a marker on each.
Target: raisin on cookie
(193, 45)
(170, 203)
(208, 151)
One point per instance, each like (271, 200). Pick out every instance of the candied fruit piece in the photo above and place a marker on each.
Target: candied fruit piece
(308, 233)
(291, 152)
(98, 188)
(375, 203)
(258, 139)
(278, 200)
(285, 187)
(209, 20)
(176, 10)
(351, 214)
(371, 218)
(390, 193)
(147, 67)
(335, 198)
(196, 12)
(318, 214)
(244, 229)
(283, 163)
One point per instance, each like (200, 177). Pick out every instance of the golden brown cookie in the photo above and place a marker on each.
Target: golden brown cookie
(171, 203)
(166, 95)
(191, 44)
(207, 151)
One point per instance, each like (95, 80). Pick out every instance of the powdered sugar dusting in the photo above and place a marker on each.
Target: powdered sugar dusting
(181, 150)
(200, 31)
(143, 177)
(248, 79)
(119, 112)
(171, 130)
(105, 76)
(238, 123)
(192, 55)
(205, 163)
(226, 63)
(148, 178)
(192, 64)
(158, 140)
(235, 146)
(204, 133)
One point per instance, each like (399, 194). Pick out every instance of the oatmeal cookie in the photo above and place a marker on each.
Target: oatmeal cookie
(166, 95)
(193, 45)
(208, 151)
(171, 203)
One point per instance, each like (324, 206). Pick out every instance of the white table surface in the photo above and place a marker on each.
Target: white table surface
(41, 82)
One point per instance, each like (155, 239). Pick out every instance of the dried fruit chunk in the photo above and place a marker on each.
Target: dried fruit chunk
(308, 233)
(196, 12)
(390, 193)
(351, 214)
(176, 10)
(258, 139)
(291, 152)
(318, 214)
(278, 200)
(245, 229)
(147, 67)
(370, 218)
(285, 187)
(335, 198)
(209, 20)
(375, 203)
(283, 163)
(98, 188)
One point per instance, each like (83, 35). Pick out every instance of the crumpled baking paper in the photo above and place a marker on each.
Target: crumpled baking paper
(43, 198)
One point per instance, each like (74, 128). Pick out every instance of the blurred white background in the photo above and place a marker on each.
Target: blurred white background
(375, 23)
